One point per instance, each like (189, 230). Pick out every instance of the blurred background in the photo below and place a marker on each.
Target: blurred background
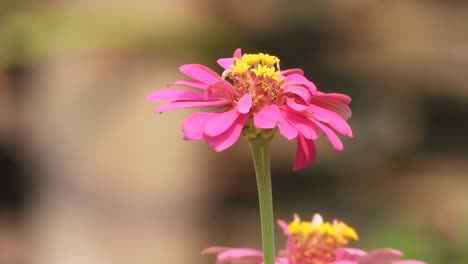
(89, 174)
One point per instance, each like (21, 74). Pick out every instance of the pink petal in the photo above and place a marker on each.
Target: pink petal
(302, 124)
(284, 226)
(220, 122)
(268, 117)
(244, 104)
(190, 83)
(229, 137)
(200, 73)
(409, 262)
(381, 256)
(286, 129)
(194, 125)
(332, 118)
(291, 103)
(300, 91)
(280, 260)
(220, 89)
(226, 63)
(344, 262)
(171, 95)
(335, 102)
(332, 137)
(335, 96)
(182, 104)
(305, 153)
(350, 254)
(229, 255)
(296, 79)
(237, 53)
(292, 71)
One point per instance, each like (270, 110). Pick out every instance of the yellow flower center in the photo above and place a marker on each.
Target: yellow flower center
(263, 65)
(316, 242)
(259, 76)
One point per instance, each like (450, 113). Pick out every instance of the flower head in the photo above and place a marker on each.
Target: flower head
(256, 98)
(314, 242)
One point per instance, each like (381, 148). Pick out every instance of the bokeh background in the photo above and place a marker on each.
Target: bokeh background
(89, 174)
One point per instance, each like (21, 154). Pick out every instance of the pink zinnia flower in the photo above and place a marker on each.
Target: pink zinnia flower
(314, 242)
(256, 98)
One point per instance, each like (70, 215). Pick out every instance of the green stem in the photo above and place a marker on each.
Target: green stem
(260, 149)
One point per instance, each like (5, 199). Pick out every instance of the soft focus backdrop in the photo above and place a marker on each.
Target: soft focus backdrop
(89, 174)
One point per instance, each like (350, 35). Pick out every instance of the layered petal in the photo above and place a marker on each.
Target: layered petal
(304, 125)
(332, 118)
(190, 83)
(305, 153)
(291, 103)
(299, 91)
(244, 104)
(220, 89)
(189, 104)
(267, 117)
(194, 125)
(332, 137)
(228, 137)
(173, 95)
(235, 255)
(335, 102)
(200, 73)
(220, 122)
(292, 71)
(296, 79)
(227, 62)
(409, 261)
(381, 256)
(286, 129)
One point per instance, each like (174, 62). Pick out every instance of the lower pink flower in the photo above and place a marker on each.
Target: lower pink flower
(255, 98)
(314, 242)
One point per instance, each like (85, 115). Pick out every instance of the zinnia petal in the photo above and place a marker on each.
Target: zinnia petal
(300, 91)
(220, 122)
(286, 129)
(381, 256)
(335, 102)
(172, 95)
(332, 137)
(190, 83)
(292, 71)
(296, 79)
(185, 104)
(229, 137)
(237, 53)
(291, 103)
(305, 153)
(244, 104)
(226, 63)
(200, 73)
(220, 89)
(408, 261)
(229, 255)
(333, 119)
(305, 127)
(268, 117)
(194, 125)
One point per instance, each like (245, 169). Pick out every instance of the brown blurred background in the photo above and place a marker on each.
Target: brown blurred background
(88, 174)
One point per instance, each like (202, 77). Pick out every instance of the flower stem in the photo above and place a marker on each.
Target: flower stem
(260, 149)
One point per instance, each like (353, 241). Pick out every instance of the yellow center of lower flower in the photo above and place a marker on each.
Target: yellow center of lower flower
(316, 242)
